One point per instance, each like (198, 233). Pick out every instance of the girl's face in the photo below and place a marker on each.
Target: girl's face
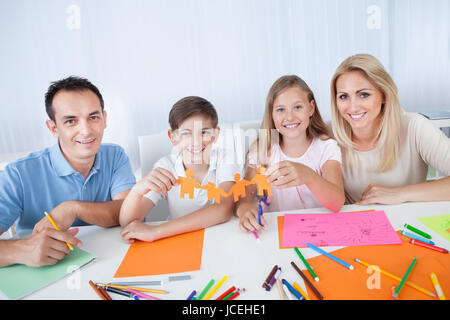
(291, 112)
(359, 100)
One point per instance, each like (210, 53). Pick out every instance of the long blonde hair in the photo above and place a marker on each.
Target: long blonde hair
(388, 133)
(266, 137)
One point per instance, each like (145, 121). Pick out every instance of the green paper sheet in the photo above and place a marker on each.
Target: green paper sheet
(19, 280)
(439, 224)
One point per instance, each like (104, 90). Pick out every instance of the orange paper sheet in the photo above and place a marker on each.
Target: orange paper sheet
(339, 283)
(179, 253)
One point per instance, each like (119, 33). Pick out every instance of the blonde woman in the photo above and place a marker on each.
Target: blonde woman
(386, 151)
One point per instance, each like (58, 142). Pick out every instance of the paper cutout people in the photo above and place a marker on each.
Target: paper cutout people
(187, 184)
(261, 182)
(237, 190)
(214, 192)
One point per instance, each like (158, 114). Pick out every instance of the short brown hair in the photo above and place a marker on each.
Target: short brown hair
(191, 106)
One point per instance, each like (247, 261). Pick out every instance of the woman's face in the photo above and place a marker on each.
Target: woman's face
(359, 101)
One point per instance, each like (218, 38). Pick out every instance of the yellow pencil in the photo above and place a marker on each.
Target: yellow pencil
(300, 290)
(56, 227)
(437, 286)
(408, 283)
(214, 289)
(133, 288)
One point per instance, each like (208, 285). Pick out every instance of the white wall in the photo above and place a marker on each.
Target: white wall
(145, 55)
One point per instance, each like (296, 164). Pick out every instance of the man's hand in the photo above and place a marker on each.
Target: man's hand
(46, 247)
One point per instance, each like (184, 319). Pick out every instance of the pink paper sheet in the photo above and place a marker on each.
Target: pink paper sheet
(338, 229)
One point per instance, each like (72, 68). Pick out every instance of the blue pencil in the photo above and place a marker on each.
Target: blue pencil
(292, 290)
(410, 235)
(345, 264)
(191, 295)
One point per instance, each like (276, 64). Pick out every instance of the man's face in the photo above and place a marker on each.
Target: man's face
(79, 124)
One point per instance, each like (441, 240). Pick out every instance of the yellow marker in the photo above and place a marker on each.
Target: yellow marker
(56, 227)
(133, 288)
(300, 290)
(437, 286)
(214, 289)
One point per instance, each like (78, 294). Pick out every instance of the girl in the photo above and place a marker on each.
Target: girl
(303, 163)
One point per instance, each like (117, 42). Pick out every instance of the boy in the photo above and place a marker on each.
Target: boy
(194, 132)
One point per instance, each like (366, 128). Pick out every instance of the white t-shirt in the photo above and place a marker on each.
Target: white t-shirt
(219, 171)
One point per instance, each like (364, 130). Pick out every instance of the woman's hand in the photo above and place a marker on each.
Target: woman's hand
(375, 193)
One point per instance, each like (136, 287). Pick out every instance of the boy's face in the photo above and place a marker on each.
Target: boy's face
(194, 138)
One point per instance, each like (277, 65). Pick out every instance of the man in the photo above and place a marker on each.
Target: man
(78, 181)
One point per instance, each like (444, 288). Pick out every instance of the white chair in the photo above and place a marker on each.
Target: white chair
(155, 146)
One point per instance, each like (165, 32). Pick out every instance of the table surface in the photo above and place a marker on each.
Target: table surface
(226, 251)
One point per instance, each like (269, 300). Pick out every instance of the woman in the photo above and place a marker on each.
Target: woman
(386, 151)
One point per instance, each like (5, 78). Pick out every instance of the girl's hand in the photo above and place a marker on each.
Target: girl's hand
(287, 174)
(383, 195)
(137, 230)
(248, 216)
(158, 180)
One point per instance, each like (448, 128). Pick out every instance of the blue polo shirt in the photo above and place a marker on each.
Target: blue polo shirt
(44, 179)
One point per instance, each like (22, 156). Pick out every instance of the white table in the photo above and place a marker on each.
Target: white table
(226, 251)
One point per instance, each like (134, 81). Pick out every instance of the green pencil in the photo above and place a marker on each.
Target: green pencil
(405, 277)
(306, 264)
(423, 234)
(208, 286)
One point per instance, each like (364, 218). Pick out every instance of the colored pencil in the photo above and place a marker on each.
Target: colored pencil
(283, 295)
(134, 288)
(419, 238)
(223, 295)
(98, 292)
(336, 259)
(215, 288)
(300, 290)
(256, 236)
(292, 290)
(205, 290)
(142, 295)
(437, 286)
(415, 230)
(269, 277)
(56, 227)
(119, 292)
(234, 296)
(308, 283)
(315, 277)
(408, 283)
(137, 283)
(191, 295)
(103, 291)
(405, 277)
(428, 246)
(228, 295)
(272, 281)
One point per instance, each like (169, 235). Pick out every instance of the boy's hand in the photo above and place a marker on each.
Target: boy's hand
(137, 230)
(158, 180)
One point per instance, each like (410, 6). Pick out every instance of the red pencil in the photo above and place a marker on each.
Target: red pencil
(428, 246)
(223, 295)
(234, 295)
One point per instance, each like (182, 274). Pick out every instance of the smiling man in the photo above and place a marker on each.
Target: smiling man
(79, 180)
